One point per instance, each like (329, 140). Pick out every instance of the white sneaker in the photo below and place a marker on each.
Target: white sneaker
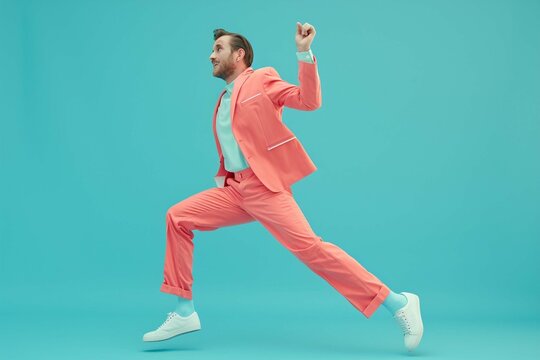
(173, 326)
(410, 321)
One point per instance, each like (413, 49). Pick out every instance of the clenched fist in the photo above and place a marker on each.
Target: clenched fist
(304, 36)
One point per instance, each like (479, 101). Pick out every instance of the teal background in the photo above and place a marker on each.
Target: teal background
(428, 154)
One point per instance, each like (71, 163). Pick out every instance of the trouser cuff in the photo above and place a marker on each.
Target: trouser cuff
(376, 302)
(176, 291)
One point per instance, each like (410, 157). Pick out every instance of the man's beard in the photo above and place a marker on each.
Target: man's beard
(226, 69)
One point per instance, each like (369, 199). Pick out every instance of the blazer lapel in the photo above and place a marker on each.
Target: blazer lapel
(238, 82)
(214, 123)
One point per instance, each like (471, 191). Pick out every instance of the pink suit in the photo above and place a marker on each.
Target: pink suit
(263, 192)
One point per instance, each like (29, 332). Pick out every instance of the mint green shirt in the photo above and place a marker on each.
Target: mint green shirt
(234, 159)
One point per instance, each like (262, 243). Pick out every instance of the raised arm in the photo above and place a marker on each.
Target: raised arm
(307, 95)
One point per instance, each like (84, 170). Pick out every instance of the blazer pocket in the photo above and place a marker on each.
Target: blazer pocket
(273, 146)
(250, 98)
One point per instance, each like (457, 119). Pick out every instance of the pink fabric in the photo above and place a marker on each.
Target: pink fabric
(243, 199)
(272, 150)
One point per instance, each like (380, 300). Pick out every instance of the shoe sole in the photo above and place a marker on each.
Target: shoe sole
(187, 332)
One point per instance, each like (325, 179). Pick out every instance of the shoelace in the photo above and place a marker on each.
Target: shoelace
(169, 317)
(403, 323)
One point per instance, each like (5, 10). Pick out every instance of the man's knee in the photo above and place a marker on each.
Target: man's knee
(309, 252)
(178, 217)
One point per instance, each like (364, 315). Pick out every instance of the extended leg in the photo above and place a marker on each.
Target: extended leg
(205, 211)
(280, 214)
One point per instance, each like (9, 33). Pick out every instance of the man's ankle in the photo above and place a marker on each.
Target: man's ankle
(185, 307)
(394, 302)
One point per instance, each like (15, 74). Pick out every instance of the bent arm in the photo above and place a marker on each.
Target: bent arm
(305, 96)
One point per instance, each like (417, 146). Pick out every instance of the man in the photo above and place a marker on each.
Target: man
(260, 158)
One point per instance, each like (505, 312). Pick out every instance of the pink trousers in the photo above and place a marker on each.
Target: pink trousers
(244, 199)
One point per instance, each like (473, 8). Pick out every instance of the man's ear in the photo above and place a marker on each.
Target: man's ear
(241, 54)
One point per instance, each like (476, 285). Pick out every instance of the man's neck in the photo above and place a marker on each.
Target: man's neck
(235, 75)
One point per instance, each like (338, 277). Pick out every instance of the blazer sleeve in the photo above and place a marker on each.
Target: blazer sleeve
(306, 96)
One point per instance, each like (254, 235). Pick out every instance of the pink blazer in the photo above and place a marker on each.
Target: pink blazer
(271, 149)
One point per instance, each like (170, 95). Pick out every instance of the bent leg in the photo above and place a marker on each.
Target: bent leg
(205, 211)
(280, 214)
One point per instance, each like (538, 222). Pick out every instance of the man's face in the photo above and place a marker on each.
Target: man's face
(222, 58)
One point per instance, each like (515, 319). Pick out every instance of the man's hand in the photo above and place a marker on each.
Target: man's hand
(304, 36)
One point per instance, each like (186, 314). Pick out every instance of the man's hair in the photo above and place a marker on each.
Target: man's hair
(237, 41)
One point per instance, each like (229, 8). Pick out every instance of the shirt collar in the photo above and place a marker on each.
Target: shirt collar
(229, 87)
